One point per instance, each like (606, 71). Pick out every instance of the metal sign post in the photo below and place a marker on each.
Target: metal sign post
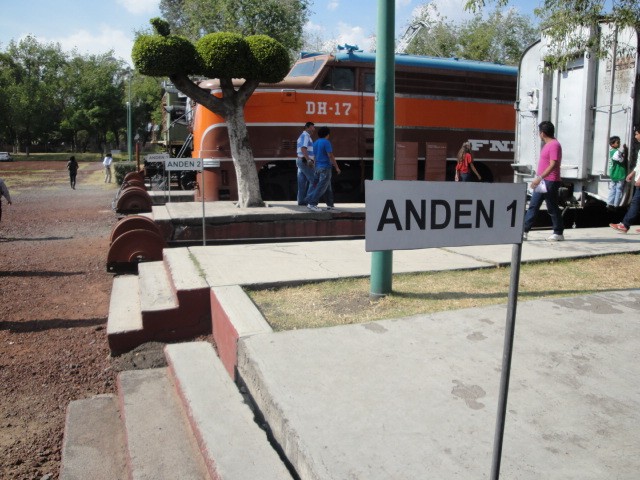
(507, 351)
(181, 164)
(209, 163)
(157, 158)
(406, 215)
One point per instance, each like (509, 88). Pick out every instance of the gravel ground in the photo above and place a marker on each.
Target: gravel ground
(54, 300)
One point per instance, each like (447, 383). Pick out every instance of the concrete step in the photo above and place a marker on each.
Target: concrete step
(233, 445)
(94, 441)
(159, 441)
(124, 325)
(156, 289)
(168, 300)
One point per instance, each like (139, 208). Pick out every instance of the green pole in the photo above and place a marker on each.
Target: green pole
(384, 132)
(129, 124)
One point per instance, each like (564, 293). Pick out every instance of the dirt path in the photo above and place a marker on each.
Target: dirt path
(54, 298)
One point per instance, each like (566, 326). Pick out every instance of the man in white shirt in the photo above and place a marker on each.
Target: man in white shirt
(304, 161)
(107, 168)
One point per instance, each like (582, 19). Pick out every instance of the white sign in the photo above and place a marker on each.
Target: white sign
(157, 157)
(172, 164)
(406, 215)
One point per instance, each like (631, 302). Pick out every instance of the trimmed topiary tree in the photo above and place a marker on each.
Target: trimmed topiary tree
(224, 56)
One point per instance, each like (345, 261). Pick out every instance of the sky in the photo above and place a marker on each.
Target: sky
(93, 27)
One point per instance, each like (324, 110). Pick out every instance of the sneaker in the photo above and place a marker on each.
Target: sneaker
(331, 207)
(525, 235)
(314, 208)
(555, 238)
(619, 226)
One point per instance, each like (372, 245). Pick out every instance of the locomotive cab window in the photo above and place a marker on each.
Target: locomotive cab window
(306, 69)
(339, 79)
(369, 82)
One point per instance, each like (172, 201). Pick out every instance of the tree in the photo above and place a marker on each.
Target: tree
(34, 100)
(281, 20)
(146, 95)
(561, 19)
(93, 96)
(223, 56)
(500, 38)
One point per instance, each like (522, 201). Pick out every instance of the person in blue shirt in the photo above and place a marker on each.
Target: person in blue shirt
(324, 162)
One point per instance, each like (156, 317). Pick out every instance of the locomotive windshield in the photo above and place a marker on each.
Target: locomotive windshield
(306, 69)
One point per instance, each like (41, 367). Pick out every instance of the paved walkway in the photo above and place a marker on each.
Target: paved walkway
(416, 398)
(294, 262)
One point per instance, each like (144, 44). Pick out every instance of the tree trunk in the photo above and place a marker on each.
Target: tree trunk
(246, 173)
(231, 108)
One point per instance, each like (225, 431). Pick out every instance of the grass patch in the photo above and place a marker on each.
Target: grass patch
(346, 301)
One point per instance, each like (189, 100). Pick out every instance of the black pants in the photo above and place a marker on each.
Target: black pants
(72, 179)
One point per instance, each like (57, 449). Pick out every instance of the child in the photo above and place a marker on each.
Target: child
(617, 173)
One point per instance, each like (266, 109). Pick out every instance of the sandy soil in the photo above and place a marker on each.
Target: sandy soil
(54, 300)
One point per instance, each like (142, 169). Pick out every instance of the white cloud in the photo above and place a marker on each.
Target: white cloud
(333, 5)
(97, 41)
(138, 7)
(353, 35)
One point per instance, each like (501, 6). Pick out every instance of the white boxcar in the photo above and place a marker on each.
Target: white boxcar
(591, 100)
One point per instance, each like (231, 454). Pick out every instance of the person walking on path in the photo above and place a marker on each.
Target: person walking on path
(4, 192)
(324, 161)
(304, 162)
(634, 207)
(547, 183)
(465, 163)
(72, 166)
(108, 159)
(617, 172)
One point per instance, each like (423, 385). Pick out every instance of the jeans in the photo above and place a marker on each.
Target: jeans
(634, 207)
(107, 174)
(322, 182)
(551, 199)
(615, 193)
(306, 175)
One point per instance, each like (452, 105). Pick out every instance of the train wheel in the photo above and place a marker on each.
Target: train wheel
(133, 200)
(133, 222)
(133, 182)
(134, 176)
(133, 247)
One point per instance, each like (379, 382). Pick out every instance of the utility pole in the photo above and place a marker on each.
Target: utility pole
(384, 133)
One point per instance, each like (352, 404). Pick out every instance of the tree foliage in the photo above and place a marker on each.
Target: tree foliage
(282, 20)
(565, 21)
(501, 37)
(63, 100)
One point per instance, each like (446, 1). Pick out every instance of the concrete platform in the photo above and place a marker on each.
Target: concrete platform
(416, 398)
(224, 221)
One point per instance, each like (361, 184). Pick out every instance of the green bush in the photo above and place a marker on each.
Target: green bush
(269, 59)
(122, 168)
(224, 55)
(159, 56)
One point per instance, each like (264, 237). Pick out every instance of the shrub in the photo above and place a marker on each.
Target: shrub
(122, 168)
